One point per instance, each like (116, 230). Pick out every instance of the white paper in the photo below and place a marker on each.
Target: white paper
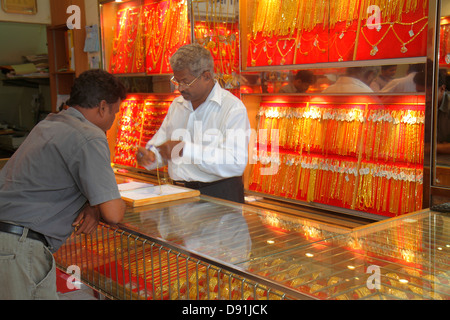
(133, 185)
(151, 192)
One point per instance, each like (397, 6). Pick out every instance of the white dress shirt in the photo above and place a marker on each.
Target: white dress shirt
(405, 84)
(215, 138)
(348, 84)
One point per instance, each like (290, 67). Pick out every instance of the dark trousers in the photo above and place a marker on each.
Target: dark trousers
(231, 189)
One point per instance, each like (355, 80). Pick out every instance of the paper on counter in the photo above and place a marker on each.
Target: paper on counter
(151, 192)
(133, 185)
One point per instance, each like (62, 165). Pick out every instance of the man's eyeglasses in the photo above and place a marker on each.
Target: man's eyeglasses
(183, 84)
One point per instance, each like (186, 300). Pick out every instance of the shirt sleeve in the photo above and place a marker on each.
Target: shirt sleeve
(93, 172)
(158, 139)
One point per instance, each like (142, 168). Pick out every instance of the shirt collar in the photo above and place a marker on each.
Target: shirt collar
(214, 96)
(75, 113)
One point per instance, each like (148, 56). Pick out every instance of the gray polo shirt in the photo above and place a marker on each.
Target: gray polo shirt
(64, 162)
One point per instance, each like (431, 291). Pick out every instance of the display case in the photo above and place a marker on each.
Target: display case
(140, 36)
(308, 32)
(364, 152)
(358, 152)
(332, 130)
(204, 248)
(139, 118)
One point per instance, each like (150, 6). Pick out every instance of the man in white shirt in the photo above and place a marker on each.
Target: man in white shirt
(204, 137)
(405, 84)
(356, 79)
(386, 75)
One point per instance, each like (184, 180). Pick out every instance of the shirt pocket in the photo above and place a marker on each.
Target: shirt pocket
(7, 257)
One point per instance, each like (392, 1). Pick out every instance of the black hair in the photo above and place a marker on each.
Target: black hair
(306, 76)
(385, 67)
(93, 86)
(443, 78)
(419, 78)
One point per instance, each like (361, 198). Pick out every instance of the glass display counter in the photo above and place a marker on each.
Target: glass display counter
(203, 248)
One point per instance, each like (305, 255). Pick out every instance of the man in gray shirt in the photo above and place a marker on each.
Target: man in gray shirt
(59, 179)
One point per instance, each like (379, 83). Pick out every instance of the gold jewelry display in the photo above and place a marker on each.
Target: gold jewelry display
(140, 118)
(284, 18)
(359, 156)
(391, 27)
(309, 21)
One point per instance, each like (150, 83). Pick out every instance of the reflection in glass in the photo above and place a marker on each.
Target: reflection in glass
(367, 79)
(442, 102)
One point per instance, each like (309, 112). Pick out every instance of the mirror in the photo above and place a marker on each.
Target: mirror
(442, 142)
(383, 79)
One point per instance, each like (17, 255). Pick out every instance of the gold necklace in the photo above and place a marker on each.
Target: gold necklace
(403, 48)
(283, 60)
(374, 50)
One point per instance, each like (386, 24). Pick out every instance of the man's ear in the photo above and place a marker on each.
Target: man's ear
(208, 75)
(102, 108)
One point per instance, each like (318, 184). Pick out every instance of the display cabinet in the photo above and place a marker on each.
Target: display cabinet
(312, 138)
(307, 32)
(139, 119)
(204, 248)
(140, 36)
(357, 152)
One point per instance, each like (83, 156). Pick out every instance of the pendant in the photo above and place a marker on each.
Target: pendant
(269, 62)
(403, 49)
(447, 58)
(282, 61)
(374, 50)
(253, 62)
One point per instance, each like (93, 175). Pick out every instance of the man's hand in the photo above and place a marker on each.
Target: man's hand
(145, 157)
(87, 220)
(171, 149)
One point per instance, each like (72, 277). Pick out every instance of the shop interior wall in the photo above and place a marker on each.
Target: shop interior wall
(17, 40)
(21, 35)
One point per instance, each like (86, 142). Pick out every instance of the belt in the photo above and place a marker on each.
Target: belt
(18, 230)
(199, 184)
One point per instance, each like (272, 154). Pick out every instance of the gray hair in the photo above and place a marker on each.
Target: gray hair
(194, 57)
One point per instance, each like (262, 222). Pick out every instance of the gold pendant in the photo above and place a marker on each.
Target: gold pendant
(403, 49)
(374, 50)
